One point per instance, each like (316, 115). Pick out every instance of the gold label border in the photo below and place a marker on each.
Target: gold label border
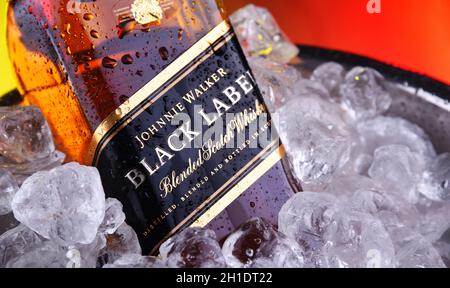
(240, 187)
(269, 160)
(156, 83)
(225, 195)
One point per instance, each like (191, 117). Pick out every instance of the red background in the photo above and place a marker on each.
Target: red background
(411, 34)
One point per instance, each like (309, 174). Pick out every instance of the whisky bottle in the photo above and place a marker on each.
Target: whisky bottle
(159, 97)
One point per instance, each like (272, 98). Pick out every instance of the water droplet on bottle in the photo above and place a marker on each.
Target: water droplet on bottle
(164, 53)
(109, 62)
(105, 127)
(86, 58)
(95, 34)
(127, 59)
(126, 28)
(68, 27)
(180, 34)
(88, 16)
(69, 51)
(146, 28)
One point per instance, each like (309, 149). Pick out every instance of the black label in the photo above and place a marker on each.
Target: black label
(178, 152)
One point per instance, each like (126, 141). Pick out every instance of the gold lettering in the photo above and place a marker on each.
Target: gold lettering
(198, 93)
(222, 72)
(152, 129)
(215, 77)
(220, 105)
(209, 83)
(245, 85)
(203, 88)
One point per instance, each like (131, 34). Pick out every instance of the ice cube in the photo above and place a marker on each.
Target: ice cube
(24, 134)
(308, 88)
(419, 253)
(8, 188)
(316, 138)
(22, 171)
(124, 241)
(357, 240)
(136, 261)
(193, 248)
(362, 164)
(434, 220)
(345, 186)
(364, 93)
(304, 218)
(114, 216)
(318, 152)
(86, 255)
(312, 104)
(65, 204)
(276, 81)
(398, 170)
(435, 183)
(307, 214)
(260, 35)
(411, 249)
(382, 131)
(47, 255)
(258, 244)
(359, 162)
(443, 247)
(330, 75)
(367, 195)
(334, 234)
(51, 255)
(377, 201)
(23, 248)
(16, 242)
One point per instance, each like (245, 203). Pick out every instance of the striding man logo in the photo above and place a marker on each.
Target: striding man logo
(143, 11)
(147, 11)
